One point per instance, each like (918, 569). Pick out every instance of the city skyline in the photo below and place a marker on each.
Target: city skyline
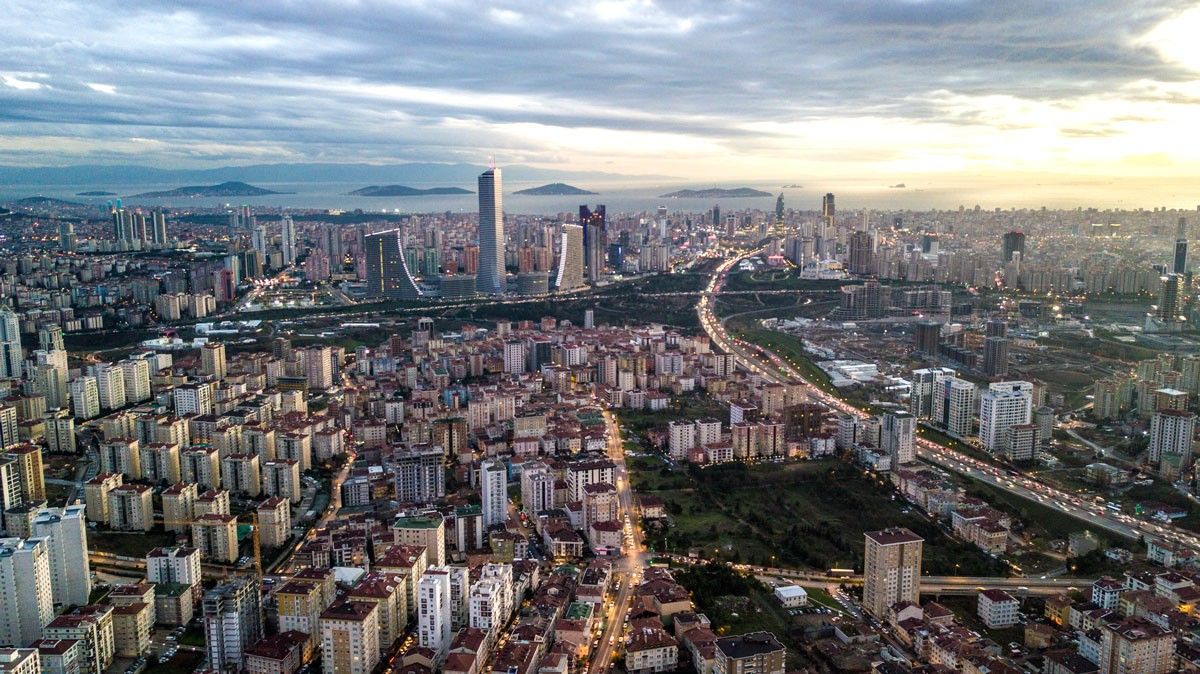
(933, 95)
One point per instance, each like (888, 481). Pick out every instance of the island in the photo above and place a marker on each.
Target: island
(792, 186)
(554, 190)
(405, 191)
(96, 193)
(716, 193)
(232, 188)
(43, 201)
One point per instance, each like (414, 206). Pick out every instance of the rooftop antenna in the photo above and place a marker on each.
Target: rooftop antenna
(492, 162)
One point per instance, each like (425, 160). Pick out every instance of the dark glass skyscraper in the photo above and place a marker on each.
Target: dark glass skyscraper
(489, 278)
(387, 272)
(1180, 266)
(595, 240)
(1012, 242)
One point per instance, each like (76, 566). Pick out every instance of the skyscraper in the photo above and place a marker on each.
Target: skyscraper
(489, 279)
(287, 236)
(66, 237)
(1012, 242)
(1180, 266)
(1170, 298)
(388, 276)
(12, 356)
(595, 240)
(891, 569)
(995, 356)
(570, 259)
(862, 252)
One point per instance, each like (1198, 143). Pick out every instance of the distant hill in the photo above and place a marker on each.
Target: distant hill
(232, 188)
(405, 191)
(716, 193)
(107, 175)
(97, 193)
(44, 201)
(554, 190)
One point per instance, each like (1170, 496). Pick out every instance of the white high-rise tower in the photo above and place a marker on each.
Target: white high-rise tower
(490, 277)
(287, 235)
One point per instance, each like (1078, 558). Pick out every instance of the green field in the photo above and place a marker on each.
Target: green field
(802, 515)
(128, 544)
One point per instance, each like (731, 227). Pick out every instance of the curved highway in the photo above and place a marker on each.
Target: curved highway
(772, 368)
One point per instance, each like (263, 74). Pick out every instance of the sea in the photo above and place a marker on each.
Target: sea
(631, 196)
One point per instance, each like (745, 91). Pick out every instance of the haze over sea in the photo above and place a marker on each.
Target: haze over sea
(636, 196)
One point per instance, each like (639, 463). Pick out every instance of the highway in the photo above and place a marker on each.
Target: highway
(772, 368)
(627, 570)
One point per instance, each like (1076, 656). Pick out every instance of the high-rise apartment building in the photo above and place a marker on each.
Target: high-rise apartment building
(434, 613)
(287, 240)
(891, 569)
(954, 406)
(65, 533)
(12, 356)
(1003, 405)
(233, 620)
(26, 594)
(569, 274)
(490, 279)
(493, 476)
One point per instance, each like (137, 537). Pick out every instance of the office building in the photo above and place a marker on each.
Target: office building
(493, 476)
(891, 570)
(1012, 245)
(595, 240)
(490, 278)
(65, 532)
(388, 273)
(1170, 299)
(233, 620)
(929, 338)
(1181, 246)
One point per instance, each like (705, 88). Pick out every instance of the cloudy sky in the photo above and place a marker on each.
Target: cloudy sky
(880, 90)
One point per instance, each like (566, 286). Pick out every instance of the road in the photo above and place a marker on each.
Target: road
(770, 367)
(628, 568)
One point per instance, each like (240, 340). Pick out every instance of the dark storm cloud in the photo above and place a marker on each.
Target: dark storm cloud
(375, 79)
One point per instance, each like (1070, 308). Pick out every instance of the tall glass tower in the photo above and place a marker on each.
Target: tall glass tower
(490, 277)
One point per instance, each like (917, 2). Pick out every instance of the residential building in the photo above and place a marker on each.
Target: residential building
(891, 569)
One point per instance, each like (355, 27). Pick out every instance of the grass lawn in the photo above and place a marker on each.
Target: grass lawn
(129, 544)
(56, 494)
